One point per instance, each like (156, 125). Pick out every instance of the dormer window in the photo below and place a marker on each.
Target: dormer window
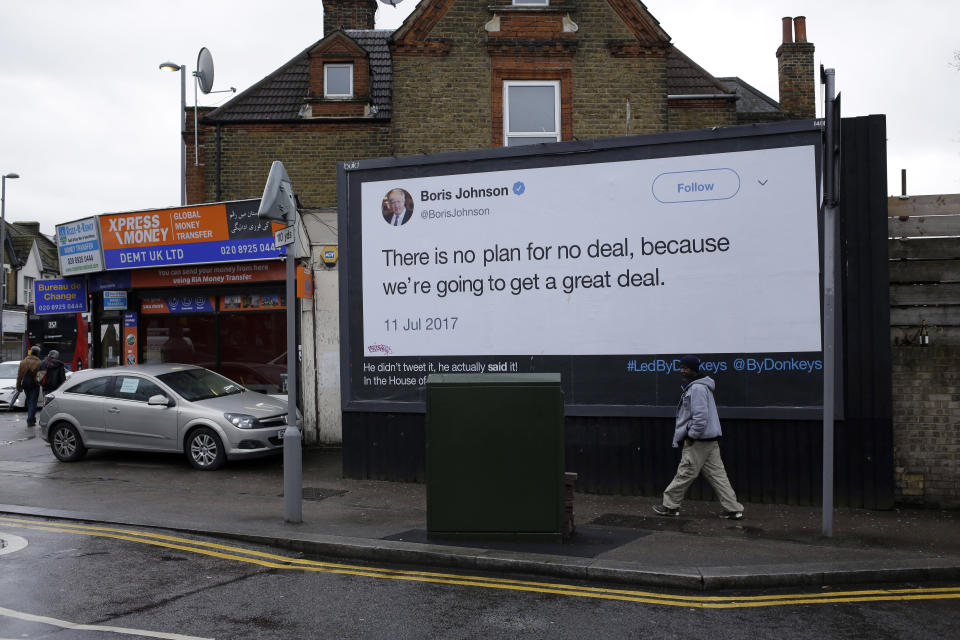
(531, 112)
(531, 3)
(338, 80)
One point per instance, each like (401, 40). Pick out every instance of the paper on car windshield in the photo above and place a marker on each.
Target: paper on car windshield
(129, 385)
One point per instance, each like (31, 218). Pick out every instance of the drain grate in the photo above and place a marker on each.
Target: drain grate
(318, 493)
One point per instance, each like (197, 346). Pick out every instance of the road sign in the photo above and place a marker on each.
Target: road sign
(285, 236)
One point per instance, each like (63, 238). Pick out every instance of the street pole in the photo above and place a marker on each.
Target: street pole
(829, 302)
(3, 251)
(292, 438)
(173, 66)
(183, 133)
(279, 204)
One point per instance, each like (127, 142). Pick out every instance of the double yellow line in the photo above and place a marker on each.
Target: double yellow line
(274, 561)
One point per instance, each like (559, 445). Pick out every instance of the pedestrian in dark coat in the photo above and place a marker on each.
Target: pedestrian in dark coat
(27, 383)
(54, 373)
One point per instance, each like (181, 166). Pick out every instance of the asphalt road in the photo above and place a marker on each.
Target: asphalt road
(162, 584)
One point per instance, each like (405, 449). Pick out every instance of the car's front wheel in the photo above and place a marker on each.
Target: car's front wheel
(65, 443)
(205, 450)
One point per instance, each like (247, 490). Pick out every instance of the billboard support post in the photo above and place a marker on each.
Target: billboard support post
(829, 300)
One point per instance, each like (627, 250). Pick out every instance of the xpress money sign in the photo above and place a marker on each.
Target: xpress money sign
(197, 234)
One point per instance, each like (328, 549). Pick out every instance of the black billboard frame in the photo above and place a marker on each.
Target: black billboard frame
(350, 175)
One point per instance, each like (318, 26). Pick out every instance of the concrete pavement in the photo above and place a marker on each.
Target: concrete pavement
(618, 538)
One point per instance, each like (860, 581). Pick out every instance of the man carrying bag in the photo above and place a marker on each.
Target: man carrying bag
(27, 383)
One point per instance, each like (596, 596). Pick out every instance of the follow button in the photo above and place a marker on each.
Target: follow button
(696, 186)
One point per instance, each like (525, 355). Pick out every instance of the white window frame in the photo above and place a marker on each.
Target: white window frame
(507, 134)
(531, 3)
(28, 289)
(326, 83)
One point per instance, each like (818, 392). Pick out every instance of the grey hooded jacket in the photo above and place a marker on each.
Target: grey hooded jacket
(697, 417)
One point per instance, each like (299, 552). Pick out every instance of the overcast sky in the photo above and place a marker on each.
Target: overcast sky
(92, 125)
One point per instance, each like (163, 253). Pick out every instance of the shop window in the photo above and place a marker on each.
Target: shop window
(338, 80)
(254, 351)
(531, 112)
(183, 339)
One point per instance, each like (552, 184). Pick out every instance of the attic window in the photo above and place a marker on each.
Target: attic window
(531, 112)
(531, 3)
(338, 80)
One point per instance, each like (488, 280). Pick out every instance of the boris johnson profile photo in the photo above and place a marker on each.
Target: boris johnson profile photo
(397, 207)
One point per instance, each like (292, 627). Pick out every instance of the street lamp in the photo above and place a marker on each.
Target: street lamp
(3, 248)
(172, 66)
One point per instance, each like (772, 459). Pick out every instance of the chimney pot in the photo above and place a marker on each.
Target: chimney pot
(787, 30)
(800, 28)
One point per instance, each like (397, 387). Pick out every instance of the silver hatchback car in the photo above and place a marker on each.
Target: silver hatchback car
(162, 407)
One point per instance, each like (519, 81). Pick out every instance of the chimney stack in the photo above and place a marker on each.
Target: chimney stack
(348, 14)
(795, 72)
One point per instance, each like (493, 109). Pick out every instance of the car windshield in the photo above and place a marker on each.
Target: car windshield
(9, 369)
(199, 384)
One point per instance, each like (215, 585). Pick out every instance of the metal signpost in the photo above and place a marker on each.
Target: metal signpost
(278, 204)
(829, 299)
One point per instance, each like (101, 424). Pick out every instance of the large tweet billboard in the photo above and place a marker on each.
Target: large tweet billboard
(605, 265)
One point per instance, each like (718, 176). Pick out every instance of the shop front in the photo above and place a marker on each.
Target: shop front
(202, 284)
(196, 315)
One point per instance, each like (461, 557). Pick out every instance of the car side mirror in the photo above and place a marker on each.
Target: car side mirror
(160, 400)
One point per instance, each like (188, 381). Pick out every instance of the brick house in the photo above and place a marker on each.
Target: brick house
(452, 74)
(461, 75)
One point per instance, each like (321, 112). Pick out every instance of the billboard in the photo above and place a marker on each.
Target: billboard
(604, 264)
(78, 247)
(195, 234)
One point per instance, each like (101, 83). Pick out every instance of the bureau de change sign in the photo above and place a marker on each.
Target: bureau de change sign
(59, 295)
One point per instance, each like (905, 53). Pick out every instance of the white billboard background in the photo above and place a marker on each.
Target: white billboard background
(761, 295)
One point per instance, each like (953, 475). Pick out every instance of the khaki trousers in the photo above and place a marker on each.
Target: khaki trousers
(701, 457)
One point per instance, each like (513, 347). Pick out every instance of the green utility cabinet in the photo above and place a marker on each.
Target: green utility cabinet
(495, 456)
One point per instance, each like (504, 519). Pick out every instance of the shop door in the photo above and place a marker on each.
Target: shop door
(111, 349)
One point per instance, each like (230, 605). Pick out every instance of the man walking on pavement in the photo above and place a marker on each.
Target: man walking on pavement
(698, 432)
(27, 383)
(55, 373)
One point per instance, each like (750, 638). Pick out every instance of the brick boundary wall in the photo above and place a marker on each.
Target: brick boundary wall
(926, 425)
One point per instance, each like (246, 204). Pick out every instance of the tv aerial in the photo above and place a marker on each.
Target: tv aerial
(203, 78)
(392, 3)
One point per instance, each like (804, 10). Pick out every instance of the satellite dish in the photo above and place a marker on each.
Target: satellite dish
(204, 71)
(392, 3)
